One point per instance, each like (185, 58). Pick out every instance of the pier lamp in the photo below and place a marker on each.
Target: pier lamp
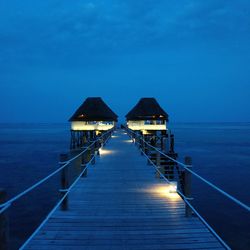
(173, 187)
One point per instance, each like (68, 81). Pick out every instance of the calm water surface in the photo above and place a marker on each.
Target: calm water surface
(220, 152)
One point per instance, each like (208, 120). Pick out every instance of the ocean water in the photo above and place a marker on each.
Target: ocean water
(220, 153)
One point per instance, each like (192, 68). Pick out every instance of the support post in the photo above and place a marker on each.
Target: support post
(4, 223)
(97, 146)
(171, 149)
(73, 140)
(75, 167)
(88, 156)
(85, 160)
(158, 163)
(164, 145)
(147, 152)
(142, 145)
(64, 181)
(137, 139)
(93, 154)
(188, 184)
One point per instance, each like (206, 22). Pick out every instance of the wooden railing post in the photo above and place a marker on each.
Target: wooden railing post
(88, 156)
(101, 142)
(93, 154)
(4, 223)
(158, 164)
(142, 145)
(188, 184)
(84, 163)
(164, 145)
(137, 139)
(147, 152)
(171, 149)
(75, 165)
(97, 146)
(64, 181)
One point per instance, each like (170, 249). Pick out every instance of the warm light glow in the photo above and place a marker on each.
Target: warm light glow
(103, 151)
(172, 187)
(164, 191)
(80, 126)
(140, 125)
(128, 141)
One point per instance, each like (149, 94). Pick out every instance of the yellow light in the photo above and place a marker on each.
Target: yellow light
(164, 191)
(103, 151)
(172, 187)
(128, 141)
(78, 125)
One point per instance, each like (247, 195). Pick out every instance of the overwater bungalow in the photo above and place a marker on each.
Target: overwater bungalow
(147, 116)
(92, 118)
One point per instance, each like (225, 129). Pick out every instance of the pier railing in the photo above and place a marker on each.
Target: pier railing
(184, 178)
(187, 167)
(81, 157)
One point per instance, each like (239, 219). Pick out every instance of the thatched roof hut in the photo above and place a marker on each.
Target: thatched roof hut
(94, 109)
(93, 114)
(147, 109)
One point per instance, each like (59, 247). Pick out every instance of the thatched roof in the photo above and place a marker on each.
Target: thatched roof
(94, 109)
(147, 109)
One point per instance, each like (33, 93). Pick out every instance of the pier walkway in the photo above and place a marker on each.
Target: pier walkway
(122, 205)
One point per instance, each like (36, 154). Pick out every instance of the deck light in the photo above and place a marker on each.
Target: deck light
(163, 191)
(172, 187)
(105, 151)
(128, 141)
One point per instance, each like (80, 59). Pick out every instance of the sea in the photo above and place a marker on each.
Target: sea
(220, 153)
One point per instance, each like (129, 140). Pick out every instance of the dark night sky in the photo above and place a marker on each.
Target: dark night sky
(192, 55)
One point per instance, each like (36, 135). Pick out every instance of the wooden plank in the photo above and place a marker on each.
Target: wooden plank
(121, 205)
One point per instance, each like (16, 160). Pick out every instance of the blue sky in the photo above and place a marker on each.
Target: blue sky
(193, 56)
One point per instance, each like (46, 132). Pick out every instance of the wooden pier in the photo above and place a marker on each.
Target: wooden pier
(121, 205)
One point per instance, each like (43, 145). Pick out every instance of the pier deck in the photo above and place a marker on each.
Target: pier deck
(121, 205)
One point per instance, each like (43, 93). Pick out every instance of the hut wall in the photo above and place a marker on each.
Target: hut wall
(143, 125)
(87, 126)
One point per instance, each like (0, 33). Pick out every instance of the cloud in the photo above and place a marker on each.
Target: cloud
(61, 29)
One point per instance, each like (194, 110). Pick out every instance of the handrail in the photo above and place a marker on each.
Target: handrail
(238, 202)
(187, 201)
(4, 206)
(55, 207)
(153, 164)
